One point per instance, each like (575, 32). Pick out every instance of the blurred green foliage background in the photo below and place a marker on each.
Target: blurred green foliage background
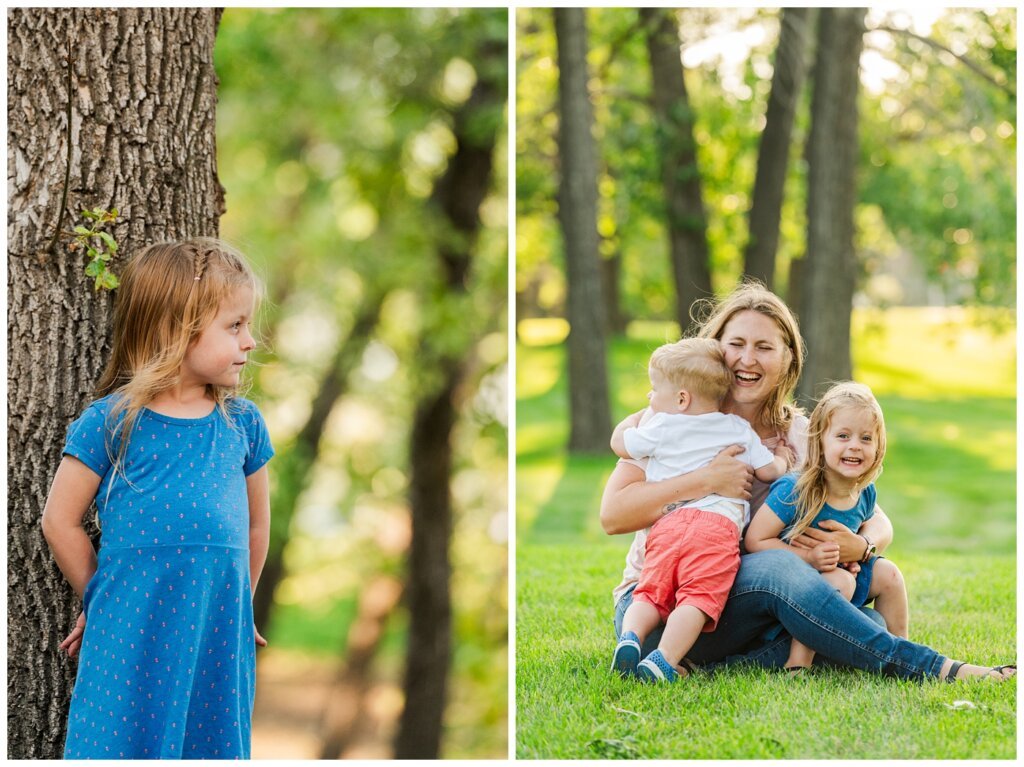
(333, 126)
(936, 215)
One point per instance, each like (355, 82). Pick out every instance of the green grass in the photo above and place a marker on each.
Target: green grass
(948, 390)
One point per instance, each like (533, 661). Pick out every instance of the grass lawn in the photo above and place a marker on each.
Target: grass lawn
(948, 390)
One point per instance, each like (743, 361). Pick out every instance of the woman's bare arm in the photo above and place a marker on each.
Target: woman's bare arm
(851, 543)
(630, 503)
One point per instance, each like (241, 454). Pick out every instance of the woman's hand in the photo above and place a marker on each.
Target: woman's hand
(259, 637)
(851, 545)
(729, 476)
(73, 641)
(824, 557)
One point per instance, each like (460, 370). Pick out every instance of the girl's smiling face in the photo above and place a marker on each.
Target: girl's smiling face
(220, 352)
(850, 443)
(757, 355)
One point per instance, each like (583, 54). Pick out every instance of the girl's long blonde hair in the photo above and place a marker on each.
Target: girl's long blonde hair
(811, 489)
(169, 293)
(751, 295)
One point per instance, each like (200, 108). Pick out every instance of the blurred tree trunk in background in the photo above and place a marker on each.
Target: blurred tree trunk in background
(295, 464)
(830, 271)
(345, 719)
(611, 272)
(791, 61)
(457, 197)
(684, 205)
(589, 411)
(136, 107)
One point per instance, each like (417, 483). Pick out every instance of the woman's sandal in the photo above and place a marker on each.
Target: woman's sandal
(798, 672)
(951, 674)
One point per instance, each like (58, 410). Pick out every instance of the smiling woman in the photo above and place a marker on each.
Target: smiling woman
(774, 599)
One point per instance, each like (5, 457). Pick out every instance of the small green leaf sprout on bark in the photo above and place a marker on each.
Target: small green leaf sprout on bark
(99, 246)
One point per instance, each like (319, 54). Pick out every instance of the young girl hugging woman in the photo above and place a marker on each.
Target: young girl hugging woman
(175, 462)
(846, 445)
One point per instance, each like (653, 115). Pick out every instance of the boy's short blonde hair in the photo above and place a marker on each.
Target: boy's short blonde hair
(695, 364)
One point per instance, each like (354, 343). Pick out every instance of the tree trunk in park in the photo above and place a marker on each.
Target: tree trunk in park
(293, 466)
(589, 412)
(684, 204)
(457, 197)
(611, 273)
(345, 720)
(128, 125)
(829, 272)
(773, 153)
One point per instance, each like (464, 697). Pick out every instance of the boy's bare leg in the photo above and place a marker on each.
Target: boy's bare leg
(890, 594)
(682, 628)
(641, 618)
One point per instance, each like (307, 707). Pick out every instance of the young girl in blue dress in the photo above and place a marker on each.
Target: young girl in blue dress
(845, 448)
(175, 462)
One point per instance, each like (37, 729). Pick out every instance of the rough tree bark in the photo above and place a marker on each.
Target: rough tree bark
(791, 64)
(684, 203)
(457, 197)
(589, 412)
(829, 271)
(136, 107)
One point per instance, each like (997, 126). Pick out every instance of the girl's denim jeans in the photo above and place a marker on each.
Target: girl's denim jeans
(777, 587)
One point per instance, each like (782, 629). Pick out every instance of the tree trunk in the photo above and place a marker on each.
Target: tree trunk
(684, 204)
(345, 718)
(773, 153)
(137, 109)
(589, 412)
(292, 467)
(832, 151)
(611, 271)
(457, 196)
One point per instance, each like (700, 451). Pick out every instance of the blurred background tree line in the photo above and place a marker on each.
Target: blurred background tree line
(362, 155)
(845, 157)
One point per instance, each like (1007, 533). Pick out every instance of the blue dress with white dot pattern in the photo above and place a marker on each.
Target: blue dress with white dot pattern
(167, 663)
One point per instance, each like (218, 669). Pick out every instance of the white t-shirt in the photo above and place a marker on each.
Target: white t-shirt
(677, 443)
(796, 438)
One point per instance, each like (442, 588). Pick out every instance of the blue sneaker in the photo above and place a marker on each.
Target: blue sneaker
(627, 655)
(654, 668)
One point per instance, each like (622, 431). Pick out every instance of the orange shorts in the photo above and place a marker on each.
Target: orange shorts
(692, 557)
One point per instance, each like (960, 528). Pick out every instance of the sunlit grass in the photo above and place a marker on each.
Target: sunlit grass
(570, 707)
(947, 387)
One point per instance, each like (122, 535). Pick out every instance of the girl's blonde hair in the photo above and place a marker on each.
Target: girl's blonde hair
(811, 489)
(751, 295)
(169, 293)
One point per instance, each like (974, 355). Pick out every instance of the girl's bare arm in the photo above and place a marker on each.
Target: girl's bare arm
(763, 534)
(73, 490)
(851, 543)
(630, 503)
(257, 487)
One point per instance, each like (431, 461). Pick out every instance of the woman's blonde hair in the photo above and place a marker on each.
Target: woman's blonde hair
(811, 489)
(751, 295)
(169, 293)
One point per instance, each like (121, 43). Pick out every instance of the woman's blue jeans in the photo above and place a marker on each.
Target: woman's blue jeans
(777, 587)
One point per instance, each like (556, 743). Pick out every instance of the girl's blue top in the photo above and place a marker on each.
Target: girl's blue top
(782, 500)
(167, 664)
